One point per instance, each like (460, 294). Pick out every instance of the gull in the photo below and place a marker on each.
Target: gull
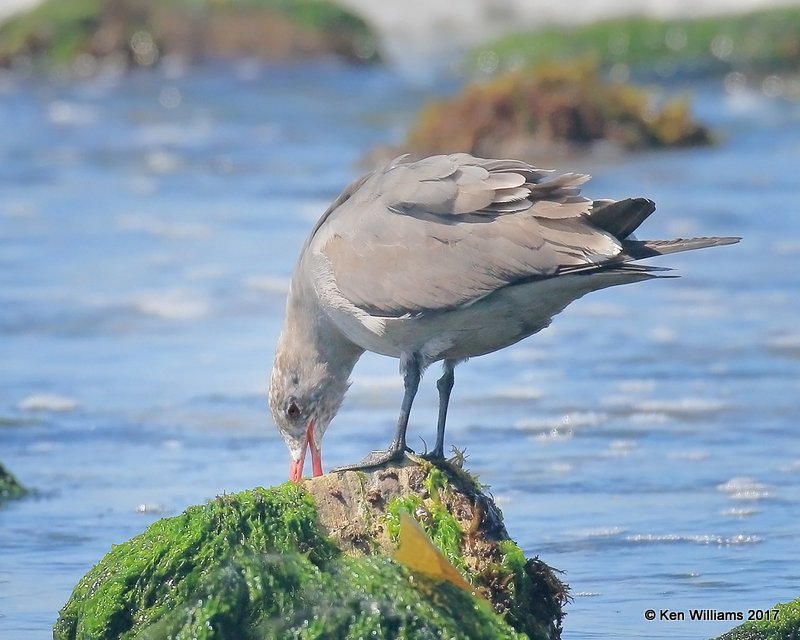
(441, 260)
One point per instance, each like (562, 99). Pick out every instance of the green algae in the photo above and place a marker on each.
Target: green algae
(434, 480)
(513, 558)
(256, 565)
(529, 584)
(782, 623)
(358, 597)
(314, 14)
(138, 582)
(61, 25)
(526, 591)
(438, 523)
(56, 32)
(409, 504)
(10, 488)
(765, 39)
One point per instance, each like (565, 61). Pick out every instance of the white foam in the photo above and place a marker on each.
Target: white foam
(636, 385)
(170, 229)
(682, 406)
(19, 209)
(164, 133)
(744, 488)
(568, 421)
(151, 507)
(554, 435)
(163, 162)
(789, 342)
(791, 467)
(584, 419)
(600, 532)
(526, 354)
(43, 446)
(206, 272)
(559, 468)
(534, 424)
(740, 512)
(649, 417)
(786, 247)
(696, 455)
(267, 284)
(705, 539)
(61, 112)
(48, 402)
(171, 305)
(663, 335)
(526, 392)
(621, 448)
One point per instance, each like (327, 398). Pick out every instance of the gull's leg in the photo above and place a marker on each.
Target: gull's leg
(411, 368)
(445, 386)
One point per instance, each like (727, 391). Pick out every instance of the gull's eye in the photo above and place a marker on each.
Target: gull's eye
(292, 410)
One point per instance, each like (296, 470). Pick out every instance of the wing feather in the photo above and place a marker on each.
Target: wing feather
(431, 235)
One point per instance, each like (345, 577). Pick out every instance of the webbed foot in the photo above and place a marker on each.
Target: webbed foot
(437, 455)
(376, 459)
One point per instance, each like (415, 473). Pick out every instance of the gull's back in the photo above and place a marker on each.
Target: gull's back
(454, 256)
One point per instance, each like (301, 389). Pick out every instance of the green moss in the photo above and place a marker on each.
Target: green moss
(409, 504)
(762, 39)
(9, 487)
(61, 26)
(526, 591)
(433, 515)
(314, 14)
(56, 32)
(434, 481)
(443, 529)
(513, 558)
(139, 582)
(783, 624)
(531, 586)
(255, 565)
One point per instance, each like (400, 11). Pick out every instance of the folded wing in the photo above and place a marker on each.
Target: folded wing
(416, 237)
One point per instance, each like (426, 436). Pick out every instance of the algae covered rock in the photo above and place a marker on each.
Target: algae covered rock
(550, 112)
(309, 561)
(9, 487)
(360, 512)
(141, 32)
(782, 622)
(763, 40)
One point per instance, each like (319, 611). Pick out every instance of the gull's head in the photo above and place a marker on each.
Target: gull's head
(305, 393)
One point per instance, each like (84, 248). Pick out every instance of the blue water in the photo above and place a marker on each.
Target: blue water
(646, 444)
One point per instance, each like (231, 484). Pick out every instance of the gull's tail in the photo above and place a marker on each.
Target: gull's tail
(638, 249)
(621, 218)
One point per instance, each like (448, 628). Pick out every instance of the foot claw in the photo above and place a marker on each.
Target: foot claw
(376, 459)
(434, 455)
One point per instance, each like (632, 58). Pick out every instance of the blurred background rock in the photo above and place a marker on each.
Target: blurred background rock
(547, 80)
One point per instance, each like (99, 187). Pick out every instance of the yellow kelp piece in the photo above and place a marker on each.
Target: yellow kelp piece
(418, 553)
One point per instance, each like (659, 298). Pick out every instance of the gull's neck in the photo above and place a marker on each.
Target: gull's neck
(309, 333)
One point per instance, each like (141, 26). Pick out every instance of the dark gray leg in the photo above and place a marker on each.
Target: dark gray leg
(445, 386)
(411, 369)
